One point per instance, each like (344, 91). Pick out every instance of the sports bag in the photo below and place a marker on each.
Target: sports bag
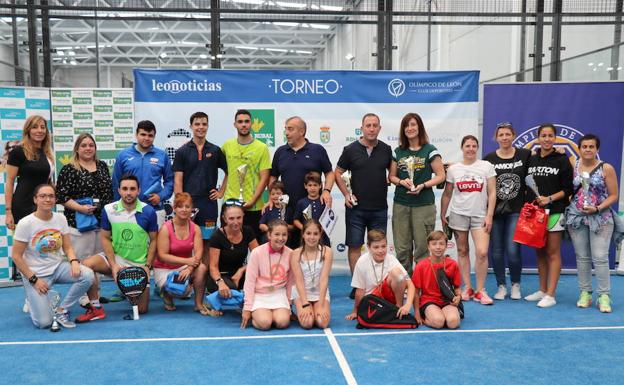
(376, 313)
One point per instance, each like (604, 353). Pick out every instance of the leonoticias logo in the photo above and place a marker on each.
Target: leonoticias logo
(176, 86)
(567, 137)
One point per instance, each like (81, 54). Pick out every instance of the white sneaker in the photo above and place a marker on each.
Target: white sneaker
(26, 307)
(547, 301)
(515, 291)
(537, 296)
(501, 293)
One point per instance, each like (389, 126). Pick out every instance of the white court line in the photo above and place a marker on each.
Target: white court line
(342, 361)
(311, 335)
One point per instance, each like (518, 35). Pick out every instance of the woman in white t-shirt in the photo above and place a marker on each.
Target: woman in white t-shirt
(39, 242)
(471, 192)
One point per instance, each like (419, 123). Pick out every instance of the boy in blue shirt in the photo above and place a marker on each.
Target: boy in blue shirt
(312, 184)
(276, 194)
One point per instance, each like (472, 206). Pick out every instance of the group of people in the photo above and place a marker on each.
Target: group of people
(277, 253)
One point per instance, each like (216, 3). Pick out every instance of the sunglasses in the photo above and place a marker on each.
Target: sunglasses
(234, 203)
(504, 124)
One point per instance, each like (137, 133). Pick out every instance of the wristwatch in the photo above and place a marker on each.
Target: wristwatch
(33, 279)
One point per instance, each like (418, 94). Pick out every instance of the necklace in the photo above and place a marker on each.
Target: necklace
(227, 237)
(310, 271)
(271, 287)
(380, 279)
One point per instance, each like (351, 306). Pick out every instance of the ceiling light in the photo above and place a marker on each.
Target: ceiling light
(203, 56)
(60, 53)
(73, 62)
(71, 53)
(163, 55)
(205, 66)
(349, 57)
(245, 47)
(194, 67)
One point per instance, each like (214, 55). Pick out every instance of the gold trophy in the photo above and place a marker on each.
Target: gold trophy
(410, 163)
(241, 171)
(346, 178)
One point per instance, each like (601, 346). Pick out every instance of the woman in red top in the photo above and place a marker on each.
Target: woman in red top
(434, 309)
(180, 248)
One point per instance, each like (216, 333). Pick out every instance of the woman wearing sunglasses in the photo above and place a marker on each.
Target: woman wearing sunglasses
(511, 165)
(229, 247)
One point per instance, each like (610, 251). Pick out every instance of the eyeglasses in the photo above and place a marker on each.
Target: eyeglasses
(504, 124)
(234, 203)
(240, 121)
(46, 196)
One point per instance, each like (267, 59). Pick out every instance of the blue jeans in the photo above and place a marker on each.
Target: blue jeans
(503, 228)
(40, 311)
(592, 247)
(359, 221)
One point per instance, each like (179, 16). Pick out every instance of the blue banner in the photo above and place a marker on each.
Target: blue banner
(224, 86)
(575, 109)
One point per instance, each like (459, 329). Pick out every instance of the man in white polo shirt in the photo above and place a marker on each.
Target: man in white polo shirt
(129, 229)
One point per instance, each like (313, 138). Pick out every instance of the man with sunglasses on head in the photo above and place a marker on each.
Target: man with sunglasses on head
(196, 171)
(250, 153)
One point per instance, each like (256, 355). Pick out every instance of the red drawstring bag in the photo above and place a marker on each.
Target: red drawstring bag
(532, 226)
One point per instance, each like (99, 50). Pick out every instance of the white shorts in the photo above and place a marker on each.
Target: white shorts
(160, 275)
(464, 223)
(161, 215)
(120, 261)
(312, 297)
(85, 244)
(275, 300)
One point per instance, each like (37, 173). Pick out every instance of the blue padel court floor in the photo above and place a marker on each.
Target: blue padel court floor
(511, 342)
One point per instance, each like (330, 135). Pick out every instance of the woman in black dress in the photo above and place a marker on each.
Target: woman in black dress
(32, 163)
(84, 177)
(229, 247)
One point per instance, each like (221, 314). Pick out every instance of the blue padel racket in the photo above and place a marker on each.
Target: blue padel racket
(132, 282)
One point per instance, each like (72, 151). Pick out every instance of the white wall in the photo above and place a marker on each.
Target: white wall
(110, 77)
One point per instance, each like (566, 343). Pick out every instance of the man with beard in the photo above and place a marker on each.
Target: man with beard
(293, 160)
(250, 156)
(128, 236)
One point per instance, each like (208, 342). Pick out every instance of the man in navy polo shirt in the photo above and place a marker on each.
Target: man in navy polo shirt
(196, 167)
(293, 160)
(369, 161)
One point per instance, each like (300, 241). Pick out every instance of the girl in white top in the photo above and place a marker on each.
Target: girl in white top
(471, 192)
(311, 264)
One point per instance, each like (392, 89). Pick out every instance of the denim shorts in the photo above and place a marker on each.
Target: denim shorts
(359, 221)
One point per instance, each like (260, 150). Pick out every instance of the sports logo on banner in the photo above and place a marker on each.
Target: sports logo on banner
(567, 138)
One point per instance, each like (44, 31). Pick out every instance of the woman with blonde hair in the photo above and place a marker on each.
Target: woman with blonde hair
(32, 163)
(84, 186)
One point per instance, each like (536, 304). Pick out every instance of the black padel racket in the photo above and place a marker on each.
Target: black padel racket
(132, 282)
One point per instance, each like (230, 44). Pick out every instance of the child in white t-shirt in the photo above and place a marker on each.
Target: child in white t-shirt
(382, 275)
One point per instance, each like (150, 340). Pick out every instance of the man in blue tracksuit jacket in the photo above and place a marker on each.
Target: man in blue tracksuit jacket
(151, 165)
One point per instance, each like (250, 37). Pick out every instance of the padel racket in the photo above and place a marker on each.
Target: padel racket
(132, 282)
